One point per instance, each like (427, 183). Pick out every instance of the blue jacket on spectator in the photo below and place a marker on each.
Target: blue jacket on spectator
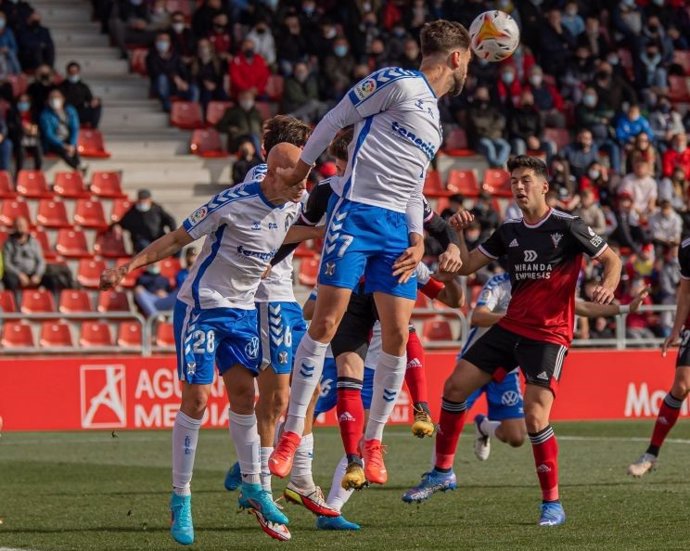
(627, 129)
(8, 41)
(49, 123)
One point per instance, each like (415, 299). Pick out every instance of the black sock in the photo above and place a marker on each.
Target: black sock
(439, 470)
(424, 406)
(352, 458)
(653, 450)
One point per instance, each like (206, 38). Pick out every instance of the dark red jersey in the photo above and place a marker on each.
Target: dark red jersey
(544, 261)
(684, 261)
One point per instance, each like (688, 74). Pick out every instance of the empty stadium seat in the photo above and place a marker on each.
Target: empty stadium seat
(463, 182)
(42, 238)
(455, 144)
(95, 334)
(266, 109)
(109, 245)
(3, 237)
(72, 244)
(32, 184)
(37, 301)
(206, 142)
(215, 111)
(170, 267)
(678, 88)
(129, 334)
(275, 87)
(74, 300)
(303, 251)
(559, 136)
(90, 144)
(17, 334)
(89, 214)
(137, 61)
(120, 207)
(497, 182)
(113, 301)
(52, 214)
(437, 330)
(13, 209)
(433, 186)
(682, 58)
(7, 302)
(308, 271)
(106, 183)
(7, 190)
(55, 334)
(70, 184)
(89, 272)
(130, 280)
(186, 114)
(165, 334)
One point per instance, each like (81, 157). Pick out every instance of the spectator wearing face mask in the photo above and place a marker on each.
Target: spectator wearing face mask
(181, 37)
(486, 214)
(593, 38)
(396, 41)
(242, 119)
(338, 68)
(591, 114)
(674, 189)
(160, 16)
(642, 148)
(581, 153)
(17, 13)
(301, 95)
(579, 70)
(129, 23)
(486, 128)
(666, 122)
(220, 38)
(39, 89)
(202, 20)
(411, 57)
(612, 89)
(208, 71)
(509, 87)
(247, 158)
(631, 124)
(263, 40)
(78, 95)
(572, 20)
(650, 69)
(24, 133)
(625, 229)
(145, 221)
(248, 72)
(22, 258)
(597, 180)
(526, 127)
(9, 63)
(627, 19)
(291, 44)
(35, 44)
(677, 156)
(168, 75)
(547, 99)
(59, 125)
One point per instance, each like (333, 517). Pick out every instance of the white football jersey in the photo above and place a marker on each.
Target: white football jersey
(244, 232)
(495, 296)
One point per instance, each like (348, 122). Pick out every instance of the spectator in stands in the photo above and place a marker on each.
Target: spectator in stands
(59, 125)
(642, 148)
(301, 95)
(23, 259)
(5, 143)
(642, 187)
(637, 324)
(455, 203)
(650, 69)
(556, 44)
(248, 72)
(169, 76)
(17, 12)
(338, 68)
(78, 94)
(160, 16)
(291, 44)
(666, 122)
(9, 62)
(24, 133)
(627, 19)
(579, 70)
(526, 126)
(590, 113)
(263, 40)
(38, 90)
(572, 20)
(220, 37)
(665, 226)
(151, 290)
(411, 57)
(667, 278)
(677, 156)
(625, 225)
(130, 23)
(145, 221)
(509, 88)
(202, 20)
(612, 89)
(674, 189)
(486, 127)
(247, 158)
(547, 99)
(181, 38)
(591, 213)
(35, 44)
(485, 214)
(581, 153)
(208, 72)
(190, 255)
(631, 124)
(561, 178)
(242, 119)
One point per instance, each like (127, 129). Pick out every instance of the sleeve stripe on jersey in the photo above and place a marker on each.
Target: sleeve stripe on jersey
(486, 253)
(684, 277)
(606, 246)
(390, 75)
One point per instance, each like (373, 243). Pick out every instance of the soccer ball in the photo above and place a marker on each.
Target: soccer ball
(494, 35)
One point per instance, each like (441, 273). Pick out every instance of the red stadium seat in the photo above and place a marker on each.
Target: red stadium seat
(3, 237)
(437, 330)
(72, 244)
(106, 183)
(32, 184)
(455, 144)
(475, 292)
(433, 186)
(70, 184)
(422, 303)
(308, 271)
(17, 334)
(120, 207)
(265, 108)
(679, 88)
(89, 214)
(137, 61)
(42, 238)
(215, 111)
(113, 301)
(108, 245)
(52, 214)
(7, 303)
(90, 144)
(13, 209)
(95, 334)
(165, 334)
(37, 301)
(275, 87)
(463, 182)
(129, 334)
(169, 268)
(74, 300)
(183, 6)
(559, 136)
(89, 272)
(303, 251)
(7, 190)
(55, 334)
(682, 58)
(19, 83)
(497, 182)
(130, 280)
(206, 142)
(186, 114)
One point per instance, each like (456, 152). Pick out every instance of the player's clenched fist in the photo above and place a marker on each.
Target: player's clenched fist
(461, 219)
(450, 261)
(111, 277)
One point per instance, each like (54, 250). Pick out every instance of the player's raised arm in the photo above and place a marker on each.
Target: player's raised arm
(452, 294)
(604, 292)
(439, 229)
(481, 256)
(297, 233)
(589, 309)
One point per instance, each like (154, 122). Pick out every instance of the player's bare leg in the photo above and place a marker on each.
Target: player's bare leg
(668, 415)
(331, 304)
(509, 431)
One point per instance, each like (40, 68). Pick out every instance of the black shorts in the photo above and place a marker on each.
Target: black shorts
(354, 331)
(502, 350)
(683, 359)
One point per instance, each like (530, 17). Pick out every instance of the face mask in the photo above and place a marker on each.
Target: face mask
(535, 80)
(56, 104)
(340, 51)
(273, 4)
(74, 78)
(330, 33)
(612, 59)
(178, 27)
(308, 9)
(594, 174)
(629, 3)
(248, 53)
(23, 106)
(204, 53)
(154, 270)
(301, 77)
(246, 104)
(589, 100)
(398, 32)
(2, 24)
(162, 46)
(508, 78)
(143, 207)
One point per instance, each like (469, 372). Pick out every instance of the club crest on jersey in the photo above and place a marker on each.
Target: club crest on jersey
(329, 269)
(256, 226)
(283, 357)
(530, 255)
(198, 215)
(556, 238)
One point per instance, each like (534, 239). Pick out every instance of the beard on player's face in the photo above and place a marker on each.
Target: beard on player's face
(459, 77)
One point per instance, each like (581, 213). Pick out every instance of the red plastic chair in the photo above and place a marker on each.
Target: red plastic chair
(89, 214)
(13, 209)
(130, 280)
(106, 183)
(129, 334)
(206, 143)
(137, 61)
(108, 245)
(89, 272)
(309, 271)
(433, 186)
(169, 268)
(455, 144)
(3, 237)
(559, 136)
(437, 330)
(70, 184)
(37, 301)
(74, 300)
(72, 244)
(497, 182)
(7, 302)
(52, 214)
(275, 87)
(120, 208)
(32, 184)
(682, 58)
(215, 111)
(7, 190)
(55, 334)
(463, 182)
(17, 334)
(90, 144)
(113, 301)
(679, 88)
(265, 108)
(42, 238)
(165, 335)
(20, 83)
(186, 114)
(95, 334)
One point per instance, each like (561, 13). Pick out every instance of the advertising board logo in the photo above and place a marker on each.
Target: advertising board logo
(103, 396)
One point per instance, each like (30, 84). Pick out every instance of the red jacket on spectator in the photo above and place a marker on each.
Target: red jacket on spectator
(638, 319)
(673, 159)
(556, 97)
(245, 75)
(222, 43)
(511, 92)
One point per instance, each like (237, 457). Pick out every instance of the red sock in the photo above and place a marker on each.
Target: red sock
(415, 376)
(668, 415)
(545, 450)
(449, 428)
(350, 414)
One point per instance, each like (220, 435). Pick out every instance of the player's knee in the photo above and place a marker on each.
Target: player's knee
(324, 328)
(194, 404)
(453, 390)
(535, 422)
(515, 438)
(394, 341)
(681, 389)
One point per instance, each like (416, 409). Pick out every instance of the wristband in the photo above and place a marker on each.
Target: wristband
(624, 309)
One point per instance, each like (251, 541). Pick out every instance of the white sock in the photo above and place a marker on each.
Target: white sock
(185, 436)
(489, 427)
(388, 380)
(306, 373)
(338, 495)
(245, 435)
(265, 473)
(301, 475)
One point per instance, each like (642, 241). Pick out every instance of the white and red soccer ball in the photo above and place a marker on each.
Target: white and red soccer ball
(494, 35)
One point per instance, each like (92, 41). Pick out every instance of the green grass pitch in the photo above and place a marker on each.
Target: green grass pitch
(91, 490)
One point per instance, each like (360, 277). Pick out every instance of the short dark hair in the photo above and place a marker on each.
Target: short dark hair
(442, 37)
(284, 128)
(340, 143)
(532, 163)
(73, 64)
